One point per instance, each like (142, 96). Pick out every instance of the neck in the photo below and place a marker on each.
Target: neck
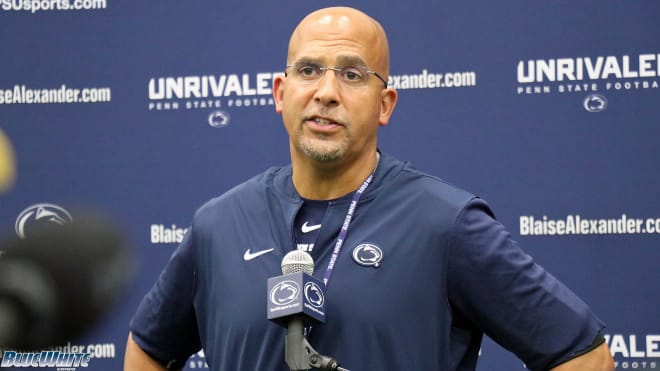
(327, 181)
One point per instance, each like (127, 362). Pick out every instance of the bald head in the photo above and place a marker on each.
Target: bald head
(339, 27)
(333, 118)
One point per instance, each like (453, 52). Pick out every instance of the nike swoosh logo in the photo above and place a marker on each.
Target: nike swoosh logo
(308, 228)
(251, 255)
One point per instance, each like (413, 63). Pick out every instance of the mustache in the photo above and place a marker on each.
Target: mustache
(322, 116)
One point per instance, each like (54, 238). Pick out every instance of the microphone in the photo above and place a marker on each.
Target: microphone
(296, 298)
(58, 281)
(294, 262)
(297, 261)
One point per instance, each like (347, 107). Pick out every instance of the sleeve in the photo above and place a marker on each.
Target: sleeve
(165, 325)
(501, 291)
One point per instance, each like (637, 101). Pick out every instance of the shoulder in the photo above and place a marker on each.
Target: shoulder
(403, 180)
(251, 190)
(427, 200)
(246, 197)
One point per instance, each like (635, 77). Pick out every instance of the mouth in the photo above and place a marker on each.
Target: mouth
(322, 123)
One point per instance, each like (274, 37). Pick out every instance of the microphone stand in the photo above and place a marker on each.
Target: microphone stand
(300, 355)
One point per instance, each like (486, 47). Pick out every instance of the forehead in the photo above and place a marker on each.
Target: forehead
(340, 40)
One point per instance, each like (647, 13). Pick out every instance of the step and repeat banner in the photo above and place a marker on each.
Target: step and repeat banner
(143, 110)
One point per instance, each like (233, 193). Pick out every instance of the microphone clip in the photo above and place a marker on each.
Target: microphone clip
(320, 361)
(300, 355)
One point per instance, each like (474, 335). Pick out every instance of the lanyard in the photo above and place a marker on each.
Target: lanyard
(344, 231)
(347, 221)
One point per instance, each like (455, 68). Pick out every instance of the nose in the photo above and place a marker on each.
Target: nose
(327, 89)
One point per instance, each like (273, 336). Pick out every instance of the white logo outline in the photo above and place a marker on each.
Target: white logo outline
(56, 214)
(316, 289)
(219, 119)
(247, 256)
(595, 103)
(309, 228)
(368, 261)
(287, 285)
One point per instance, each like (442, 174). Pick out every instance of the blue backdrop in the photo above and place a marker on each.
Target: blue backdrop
(549, 110)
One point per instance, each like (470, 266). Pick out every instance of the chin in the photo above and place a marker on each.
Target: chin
(322, 150)
(323, 155)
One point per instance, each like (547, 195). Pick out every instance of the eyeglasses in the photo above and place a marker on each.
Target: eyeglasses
(353, 76)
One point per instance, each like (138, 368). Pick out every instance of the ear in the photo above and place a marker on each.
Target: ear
(278, 92)
(387, 103)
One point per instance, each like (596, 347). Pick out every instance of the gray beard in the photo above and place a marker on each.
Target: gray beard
(322, 155)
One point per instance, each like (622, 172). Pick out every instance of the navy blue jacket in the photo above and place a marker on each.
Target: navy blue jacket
(449, 272)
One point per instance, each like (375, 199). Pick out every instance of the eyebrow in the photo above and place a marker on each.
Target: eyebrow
(350, 60)
(342, 60)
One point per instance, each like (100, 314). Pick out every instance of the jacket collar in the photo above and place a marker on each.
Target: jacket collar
(388, 167)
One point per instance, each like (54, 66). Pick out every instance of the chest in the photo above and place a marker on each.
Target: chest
(387, 265)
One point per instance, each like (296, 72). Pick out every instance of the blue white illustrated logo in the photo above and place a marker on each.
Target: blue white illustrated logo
(595, 103)
(40, 214)
(314, 295)
(285, 292)
(63, 361)
(368, 255)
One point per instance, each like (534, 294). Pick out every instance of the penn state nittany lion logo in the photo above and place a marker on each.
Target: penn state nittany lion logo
(40, 214)
(595, 103)
(219, 119)
(368, 254)
(314, 294)
(284, 293)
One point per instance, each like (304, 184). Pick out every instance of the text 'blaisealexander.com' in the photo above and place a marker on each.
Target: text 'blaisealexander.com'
(22, 94)
(574, 224)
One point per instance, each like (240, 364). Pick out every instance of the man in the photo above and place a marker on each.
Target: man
(424, 269)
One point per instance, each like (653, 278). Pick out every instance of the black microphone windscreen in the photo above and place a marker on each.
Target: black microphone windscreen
(64, 277)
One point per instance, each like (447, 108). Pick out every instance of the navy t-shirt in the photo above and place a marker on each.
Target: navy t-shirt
(447, 272)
